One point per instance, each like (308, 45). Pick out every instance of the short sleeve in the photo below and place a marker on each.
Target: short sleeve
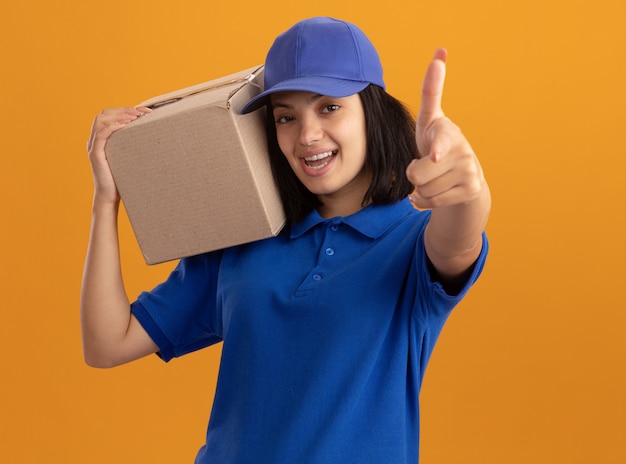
(479, 264)
(181, 314)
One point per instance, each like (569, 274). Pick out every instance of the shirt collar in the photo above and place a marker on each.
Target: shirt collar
(372, 221)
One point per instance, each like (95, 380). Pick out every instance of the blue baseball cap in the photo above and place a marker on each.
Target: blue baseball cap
(321, 55)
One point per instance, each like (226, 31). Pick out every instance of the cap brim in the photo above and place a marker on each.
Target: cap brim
(328, 86)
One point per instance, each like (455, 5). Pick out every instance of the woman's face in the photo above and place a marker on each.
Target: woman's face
(324, 141)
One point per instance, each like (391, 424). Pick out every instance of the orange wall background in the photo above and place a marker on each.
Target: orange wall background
(531, 367)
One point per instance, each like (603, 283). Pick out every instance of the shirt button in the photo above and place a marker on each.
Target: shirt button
(334, 228)
(317, 277)
(330, 251)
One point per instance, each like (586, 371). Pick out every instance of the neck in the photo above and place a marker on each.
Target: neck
(341, 204)
(329, 210)
(347, 200)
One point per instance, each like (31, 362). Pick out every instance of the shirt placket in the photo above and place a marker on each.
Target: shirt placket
(326, 258)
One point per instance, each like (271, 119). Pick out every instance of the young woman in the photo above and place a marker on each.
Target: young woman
(328, 327)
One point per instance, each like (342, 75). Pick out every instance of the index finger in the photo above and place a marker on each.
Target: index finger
(432, 89)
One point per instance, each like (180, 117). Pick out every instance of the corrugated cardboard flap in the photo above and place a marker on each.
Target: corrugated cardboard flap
(237, 81)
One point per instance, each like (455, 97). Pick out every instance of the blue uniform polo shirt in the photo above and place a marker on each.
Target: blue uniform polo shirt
(326, 329)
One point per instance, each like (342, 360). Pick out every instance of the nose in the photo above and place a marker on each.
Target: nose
(310, 130)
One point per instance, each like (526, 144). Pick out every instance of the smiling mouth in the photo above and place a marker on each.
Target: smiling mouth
(320, 160)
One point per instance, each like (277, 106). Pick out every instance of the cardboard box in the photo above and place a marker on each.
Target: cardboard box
(194, 175)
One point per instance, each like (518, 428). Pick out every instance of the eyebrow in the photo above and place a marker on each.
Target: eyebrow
(312, 99)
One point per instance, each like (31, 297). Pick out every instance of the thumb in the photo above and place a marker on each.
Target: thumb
(432, 89)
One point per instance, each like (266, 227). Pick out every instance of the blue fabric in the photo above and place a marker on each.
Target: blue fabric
(322, 55)
(326, 329)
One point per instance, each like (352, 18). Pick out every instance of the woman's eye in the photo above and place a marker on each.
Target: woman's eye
(330, 108)
(283, 119)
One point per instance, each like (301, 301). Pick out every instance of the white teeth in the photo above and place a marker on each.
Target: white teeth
(319, 157)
